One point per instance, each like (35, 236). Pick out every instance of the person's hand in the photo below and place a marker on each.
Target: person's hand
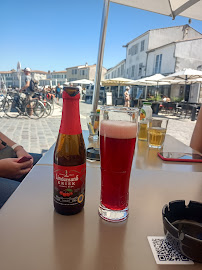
(20, 152)
(10, 168)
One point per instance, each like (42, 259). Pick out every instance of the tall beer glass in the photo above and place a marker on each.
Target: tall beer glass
(118, 131)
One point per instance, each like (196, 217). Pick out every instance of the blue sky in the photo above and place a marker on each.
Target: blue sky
(52, 35)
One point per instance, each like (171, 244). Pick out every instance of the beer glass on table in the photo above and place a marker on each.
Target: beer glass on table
(157, 132)
(118, 131)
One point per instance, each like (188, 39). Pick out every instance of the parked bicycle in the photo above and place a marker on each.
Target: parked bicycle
(22, 104)
(48, 107)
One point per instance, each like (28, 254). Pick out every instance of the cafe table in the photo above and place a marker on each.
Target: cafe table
(145, 158)
(34, 237)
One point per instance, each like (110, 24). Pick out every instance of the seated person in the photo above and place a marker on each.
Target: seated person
(12, 172)
(196, 140)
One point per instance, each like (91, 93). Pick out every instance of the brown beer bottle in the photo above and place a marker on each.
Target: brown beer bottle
(69, 158)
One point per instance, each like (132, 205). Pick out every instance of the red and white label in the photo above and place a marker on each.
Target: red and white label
(69, 184)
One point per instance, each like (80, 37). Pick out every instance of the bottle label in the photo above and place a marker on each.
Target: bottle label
(69, 184)
(142, 115)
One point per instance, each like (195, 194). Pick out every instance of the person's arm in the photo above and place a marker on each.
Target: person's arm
(196, 140)
(25, 86)
(20, 151)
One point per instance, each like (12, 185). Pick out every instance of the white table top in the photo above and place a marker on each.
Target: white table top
(33, 236)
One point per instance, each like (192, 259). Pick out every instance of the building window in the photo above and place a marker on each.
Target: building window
(134, 49)
(122, 70)
(140, 69)
(133, 71)
(82, 72)
(158, 63)
(142, 46)
(74, 71)
(119, 72)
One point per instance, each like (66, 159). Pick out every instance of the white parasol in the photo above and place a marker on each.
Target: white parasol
(82, 81)
(118, 81)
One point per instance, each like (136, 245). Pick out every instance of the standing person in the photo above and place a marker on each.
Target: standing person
(127, 97)
(57, 90)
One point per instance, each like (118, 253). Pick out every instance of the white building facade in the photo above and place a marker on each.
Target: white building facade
(140, 64)
(83, 72)
(165, 51)
(116, 71)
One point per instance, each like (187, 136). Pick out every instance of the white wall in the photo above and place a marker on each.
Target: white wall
(138, 58)
(113, 72)
(188, 54)
(168, 60)
(159, 37)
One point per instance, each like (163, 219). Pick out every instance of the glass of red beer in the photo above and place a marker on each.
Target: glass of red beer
(118, 131)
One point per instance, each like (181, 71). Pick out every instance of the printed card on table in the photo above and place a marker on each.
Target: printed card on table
(164, 253)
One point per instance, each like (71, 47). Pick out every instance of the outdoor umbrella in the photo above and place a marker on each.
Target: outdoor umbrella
(184, 75)
(191, 9)
(187, 75)
(117, 81)
(82, 81)
(188, 8)
(151, 81)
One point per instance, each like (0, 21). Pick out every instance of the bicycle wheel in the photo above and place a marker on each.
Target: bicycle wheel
(10, 108)
(34, 109)
(48, 109)
(2, 101)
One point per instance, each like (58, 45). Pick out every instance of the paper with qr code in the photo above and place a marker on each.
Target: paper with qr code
(164, 253)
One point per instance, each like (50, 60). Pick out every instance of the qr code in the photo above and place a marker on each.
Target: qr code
(164, 253)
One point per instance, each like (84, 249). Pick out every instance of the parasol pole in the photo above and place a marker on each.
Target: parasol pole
(98, 73)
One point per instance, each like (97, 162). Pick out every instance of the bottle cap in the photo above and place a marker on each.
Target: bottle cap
(70, 92)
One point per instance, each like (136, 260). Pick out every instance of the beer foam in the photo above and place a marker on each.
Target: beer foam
(118, 129)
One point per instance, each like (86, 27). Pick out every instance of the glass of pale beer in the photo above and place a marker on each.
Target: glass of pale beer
(157, 132)
(118, 131)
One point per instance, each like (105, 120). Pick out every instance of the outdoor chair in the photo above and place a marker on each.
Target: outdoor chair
(185, 110)
(164, 108)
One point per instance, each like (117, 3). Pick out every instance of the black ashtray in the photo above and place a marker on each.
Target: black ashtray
(183, 227)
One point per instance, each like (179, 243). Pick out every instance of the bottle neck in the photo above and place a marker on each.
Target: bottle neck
(70, 122)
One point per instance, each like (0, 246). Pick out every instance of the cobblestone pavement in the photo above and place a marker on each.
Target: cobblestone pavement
(39, 135)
